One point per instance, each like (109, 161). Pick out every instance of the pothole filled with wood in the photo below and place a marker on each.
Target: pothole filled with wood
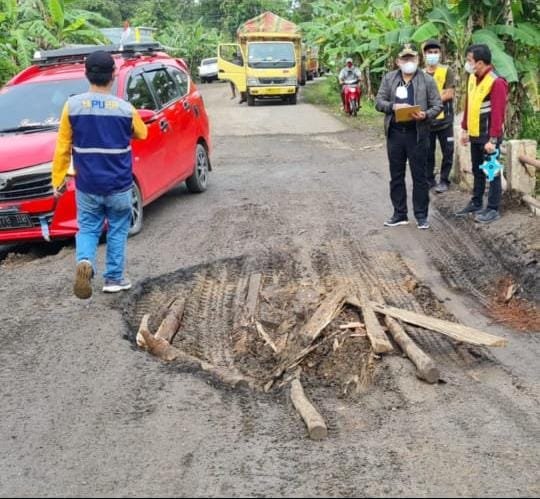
(269, 325)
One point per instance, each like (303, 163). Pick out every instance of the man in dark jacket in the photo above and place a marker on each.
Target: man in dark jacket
(409, 139)
(442, 127)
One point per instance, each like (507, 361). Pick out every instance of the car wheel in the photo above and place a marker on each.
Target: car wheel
(250, 100)
(292, 99)
(198, 182)
(136, 211)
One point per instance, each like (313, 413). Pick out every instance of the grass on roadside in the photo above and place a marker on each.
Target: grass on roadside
(326, 92)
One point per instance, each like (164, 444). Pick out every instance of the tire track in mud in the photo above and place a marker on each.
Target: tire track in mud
(376, 267)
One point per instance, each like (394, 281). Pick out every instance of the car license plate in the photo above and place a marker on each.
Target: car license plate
(14, 221)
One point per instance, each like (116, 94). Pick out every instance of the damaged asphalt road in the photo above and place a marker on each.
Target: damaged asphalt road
(86, 413)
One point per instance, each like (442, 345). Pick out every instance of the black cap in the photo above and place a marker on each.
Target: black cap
(432, 44)
(99, 62)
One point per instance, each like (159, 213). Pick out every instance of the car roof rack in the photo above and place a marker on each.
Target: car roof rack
(79, 53)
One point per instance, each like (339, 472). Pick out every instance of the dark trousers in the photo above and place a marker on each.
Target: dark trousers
(403, 145)
(446, 141)
(495, 188)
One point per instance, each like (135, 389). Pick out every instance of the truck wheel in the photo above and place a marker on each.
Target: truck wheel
(250, 100)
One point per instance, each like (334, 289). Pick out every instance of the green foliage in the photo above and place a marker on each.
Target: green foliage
(192, 42)
(26, 25)
(371, 31)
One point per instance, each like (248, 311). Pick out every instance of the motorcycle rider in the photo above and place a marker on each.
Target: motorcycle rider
(350, 74)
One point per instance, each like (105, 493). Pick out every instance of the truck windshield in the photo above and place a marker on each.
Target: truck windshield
(36, 104)
(271, 55)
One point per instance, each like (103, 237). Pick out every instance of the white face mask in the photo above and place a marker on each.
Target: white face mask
(433, 59)
(409, 67)
(469, 68)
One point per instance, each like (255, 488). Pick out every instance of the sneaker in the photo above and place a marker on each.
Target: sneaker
(441, 187)
(422, 223)
(470, 208)
(115, 286)
(82, 288)
(397, 220)
(487, 216)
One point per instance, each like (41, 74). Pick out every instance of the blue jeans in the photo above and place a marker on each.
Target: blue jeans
(92, 211)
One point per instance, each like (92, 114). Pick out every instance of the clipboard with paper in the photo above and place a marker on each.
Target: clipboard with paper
(405, 113)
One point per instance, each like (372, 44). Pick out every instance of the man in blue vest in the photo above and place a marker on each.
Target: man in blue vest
(96, 128)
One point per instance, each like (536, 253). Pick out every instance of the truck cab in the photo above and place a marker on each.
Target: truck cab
(266, 61)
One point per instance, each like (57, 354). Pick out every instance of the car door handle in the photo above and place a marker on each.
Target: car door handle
(164, 125)
(186, 105)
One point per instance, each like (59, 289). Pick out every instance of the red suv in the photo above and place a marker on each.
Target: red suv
(159, 86)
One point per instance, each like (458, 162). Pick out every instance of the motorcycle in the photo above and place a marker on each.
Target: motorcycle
(351, 96)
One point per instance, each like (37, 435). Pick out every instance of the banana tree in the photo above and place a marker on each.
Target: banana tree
(26, 25)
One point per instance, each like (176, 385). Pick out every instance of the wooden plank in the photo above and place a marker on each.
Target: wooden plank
(377, 336)
(252, 296)
(352, 325)
(329, 308)
(458, 332)
(314, 421)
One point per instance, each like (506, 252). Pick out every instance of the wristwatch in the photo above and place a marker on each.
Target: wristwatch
(493, 140)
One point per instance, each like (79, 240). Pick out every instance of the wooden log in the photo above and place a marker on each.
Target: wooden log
(314, 421)
(533, 203)
(252, 297)
(170, 325)
(377, 337)
(526, 160)
(264, 335)
(159, 347)
(329, 308)
(425, 367)
(458, 332)
(143, 327)
(164, 351)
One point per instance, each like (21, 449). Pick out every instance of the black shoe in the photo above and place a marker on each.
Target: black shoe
(422, 223)
(441, 187)
(397, 220)
(470, 208)
(432, 183)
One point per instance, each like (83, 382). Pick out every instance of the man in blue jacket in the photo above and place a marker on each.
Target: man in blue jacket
(96, 129)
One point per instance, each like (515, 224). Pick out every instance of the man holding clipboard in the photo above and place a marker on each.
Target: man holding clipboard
(410, 99)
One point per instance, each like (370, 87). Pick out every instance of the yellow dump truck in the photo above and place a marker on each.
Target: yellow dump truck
(312, 62)
(266, 61)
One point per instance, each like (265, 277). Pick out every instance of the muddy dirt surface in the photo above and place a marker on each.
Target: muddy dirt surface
(86, 413)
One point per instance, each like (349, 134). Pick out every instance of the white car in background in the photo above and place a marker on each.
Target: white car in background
(208, 70)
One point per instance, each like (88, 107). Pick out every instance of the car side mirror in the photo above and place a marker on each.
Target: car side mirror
(147, 115)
